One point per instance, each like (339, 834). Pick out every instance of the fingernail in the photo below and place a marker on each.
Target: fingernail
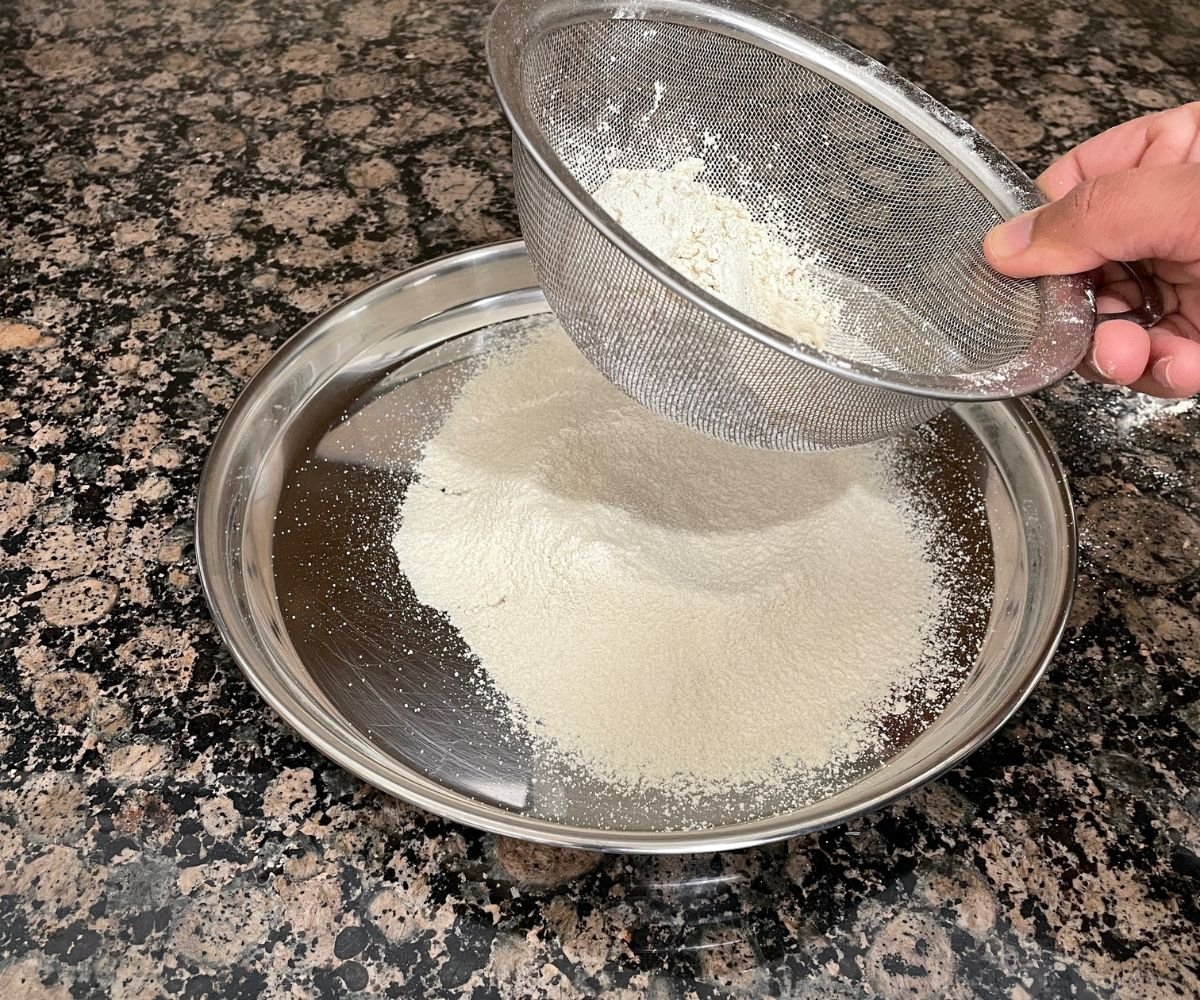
(1011, 238)
(1162, 372)
(1106, 370)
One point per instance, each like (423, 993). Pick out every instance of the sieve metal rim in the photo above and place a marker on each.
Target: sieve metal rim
(1067, 300)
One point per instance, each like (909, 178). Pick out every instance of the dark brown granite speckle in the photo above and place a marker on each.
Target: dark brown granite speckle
(183, 186)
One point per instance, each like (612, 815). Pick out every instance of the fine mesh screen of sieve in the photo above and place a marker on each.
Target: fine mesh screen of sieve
(892, 192)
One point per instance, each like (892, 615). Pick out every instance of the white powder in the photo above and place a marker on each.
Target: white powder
(657, 606)
(713, 240)
(1141, 410)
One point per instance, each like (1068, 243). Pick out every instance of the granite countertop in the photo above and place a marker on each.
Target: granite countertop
(183, 186)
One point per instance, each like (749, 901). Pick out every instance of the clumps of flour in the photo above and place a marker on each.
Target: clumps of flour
(715, 242)
(657, 608)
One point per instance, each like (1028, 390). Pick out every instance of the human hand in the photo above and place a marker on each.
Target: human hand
(1131, 193)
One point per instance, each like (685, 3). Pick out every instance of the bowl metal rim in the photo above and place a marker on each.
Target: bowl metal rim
(360, 758)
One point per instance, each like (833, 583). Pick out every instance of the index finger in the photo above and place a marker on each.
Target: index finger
(1160, 139)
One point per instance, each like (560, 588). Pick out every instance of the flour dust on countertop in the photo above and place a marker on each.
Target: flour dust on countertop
(658, 609)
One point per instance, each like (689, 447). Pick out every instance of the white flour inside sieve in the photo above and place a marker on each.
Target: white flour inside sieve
(658, 608)
(713, 240)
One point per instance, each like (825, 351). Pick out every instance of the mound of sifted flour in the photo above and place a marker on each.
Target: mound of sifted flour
(713, 240)
(656, 606)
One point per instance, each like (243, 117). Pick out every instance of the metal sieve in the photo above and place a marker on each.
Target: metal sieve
(828, 147)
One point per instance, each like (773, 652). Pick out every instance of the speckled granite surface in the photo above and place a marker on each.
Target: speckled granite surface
(182, 186)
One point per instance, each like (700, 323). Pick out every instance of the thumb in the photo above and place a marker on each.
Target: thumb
(1130, 215)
